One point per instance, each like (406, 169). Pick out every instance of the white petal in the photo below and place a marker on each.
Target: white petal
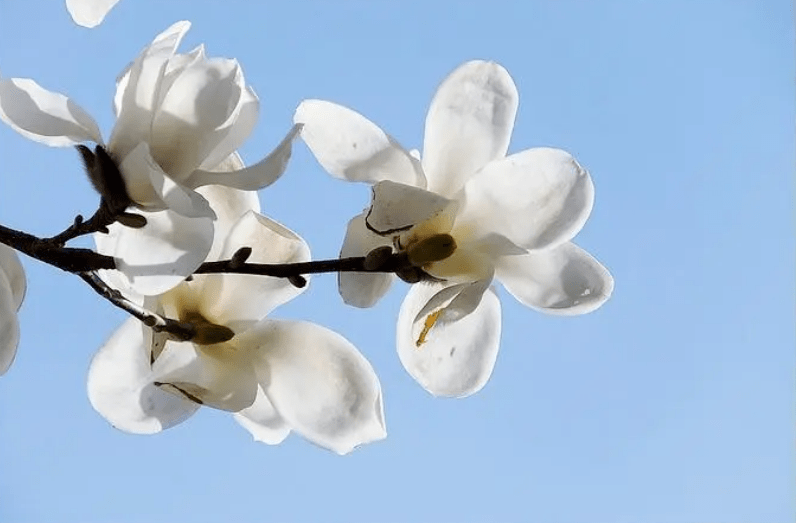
(9, 324)
(351, 147)
(468, 124)
(89, 13)
(160, 255)
(120, 386)
(195, 115)
(538, 198)
(229, 298)
(241, 126)
(152, 189)
(319, 383)
(44, 116)
(218, 376)
(397, 207)
(229, 205)
(140, 90)
(453, 358)
(255, 177)
(362, 289)
(563, 280)
(263, 421)
(12, 267)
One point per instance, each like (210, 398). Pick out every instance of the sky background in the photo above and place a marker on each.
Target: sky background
(672, 403)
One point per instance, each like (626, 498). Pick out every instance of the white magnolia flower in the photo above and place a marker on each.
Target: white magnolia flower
(12, 292)
(179, 118)
(89, 13)
(276, 375)
(464, 214)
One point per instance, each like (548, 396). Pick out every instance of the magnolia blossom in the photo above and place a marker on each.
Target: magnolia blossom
(89, 13)
(464, 215)
(180, 117)
(12, 292)
(275, 375)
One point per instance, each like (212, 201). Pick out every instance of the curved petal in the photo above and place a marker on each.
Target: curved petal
(9, 324)
(263, 421)
(448, 358)
(538, 198)
(196, 115)
(174, 68)
(351, 147)
(89, 13)
(140, 90)
(318, 382)
(12, 267)
(228, 298)
(229, 206)
(44, 116)
(362, 289)
(241, 126)
(565, 280)
(396, 207)
(121, 389)
(152, 189)
(218, 376)
(468, 125)
(160, 255)
(255, 177)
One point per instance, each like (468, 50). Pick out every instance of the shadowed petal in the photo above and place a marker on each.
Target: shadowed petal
(10, 264)
(9, 324)
(263, 421)
(140, 90)
(218, 375)
(120, 386)
(44, 116)
(564, 280)
(160, 255)
(351, 147)
(229, 298)
(448, 358)
(229, 205)
(537, 198)
(255, 177)
(396, 207)
(196, 115)
(318, 382)
(241, 125)
(468, 125)
(362, 289)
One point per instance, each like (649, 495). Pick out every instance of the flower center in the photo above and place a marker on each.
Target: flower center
(430, 249)
(207, 333)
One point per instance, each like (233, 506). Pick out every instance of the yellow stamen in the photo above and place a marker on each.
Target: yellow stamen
(431, 319)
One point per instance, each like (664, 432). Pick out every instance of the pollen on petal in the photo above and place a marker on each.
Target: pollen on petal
(429, 322)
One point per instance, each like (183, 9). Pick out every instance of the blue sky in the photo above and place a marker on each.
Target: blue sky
(672, 403)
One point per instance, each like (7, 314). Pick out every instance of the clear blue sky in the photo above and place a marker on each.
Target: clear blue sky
(672, 403)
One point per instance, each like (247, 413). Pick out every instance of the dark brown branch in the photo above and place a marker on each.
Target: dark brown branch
(68, 259)
(180, 331)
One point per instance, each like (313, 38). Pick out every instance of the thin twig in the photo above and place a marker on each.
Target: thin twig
(181, 331)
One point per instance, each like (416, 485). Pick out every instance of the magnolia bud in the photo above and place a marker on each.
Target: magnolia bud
(104, 175)
(376, 258)
(431, 249)
(209, 334)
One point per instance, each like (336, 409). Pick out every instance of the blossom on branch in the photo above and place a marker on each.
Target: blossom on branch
(464, 214)
(180, 119)
(89, 13)
(12, 292)
(275, 375)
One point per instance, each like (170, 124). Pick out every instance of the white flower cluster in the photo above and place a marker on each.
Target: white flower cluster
(462, 215)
